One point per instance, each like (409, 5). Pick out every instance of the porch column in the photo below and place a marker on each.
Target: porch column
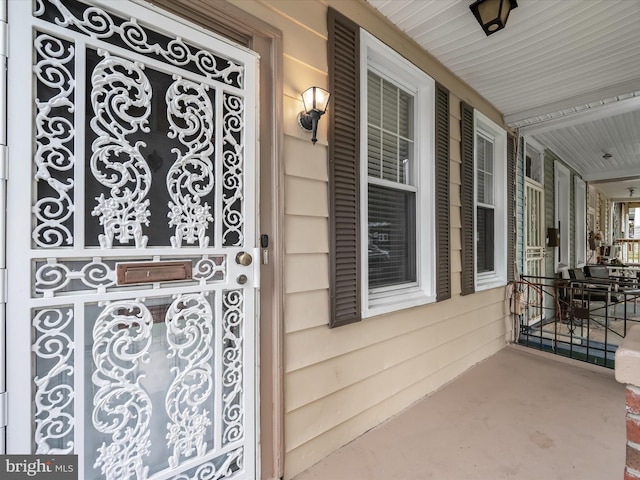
(628, 372)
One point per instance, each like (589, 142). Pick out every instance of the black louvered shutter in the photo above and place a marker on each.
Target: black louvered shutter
(344, 169)
(511, 199)
(466, 198)
(443, 243)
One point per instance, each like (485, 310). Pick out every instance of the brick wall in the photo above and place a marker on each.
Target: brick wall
(628, 372)
(632, 470)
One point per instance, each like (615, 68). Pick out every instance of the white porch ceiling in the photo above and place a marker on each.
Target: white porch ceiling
(566, 72)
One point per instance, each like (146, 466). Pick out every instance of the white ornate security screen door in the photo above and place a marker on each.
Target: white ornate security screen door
(534, 251)
(534, 229)
(132, 212)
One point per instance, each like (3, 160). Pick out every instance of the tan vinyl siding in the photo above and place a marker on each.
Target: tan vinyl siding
(341, 382)
(307, 197)
(306, 310)
(303, 162)
(377, 398)
(306, 234)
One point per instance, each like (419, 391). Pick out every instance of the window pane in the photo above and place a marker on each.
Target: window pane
(390, 130)
(488, 155)
(374, 140)
(374, 102)
(392, 245)
(533, 164)
(389, 107)
(484, 170)
(488, 183)
(480, 188)
(405, 120)
(406, 162)
(480, 152)
(390, 157)
(485, 244)
(485, 187)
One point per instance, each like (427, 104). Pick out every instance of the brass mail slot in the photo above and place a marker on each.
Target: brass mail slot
(152, 272)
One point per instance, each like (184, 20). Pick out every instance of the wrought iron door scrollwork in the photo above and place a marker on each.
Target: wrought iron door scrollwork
(121, 407)
(121, 100)
(189, 323)
(191, 177)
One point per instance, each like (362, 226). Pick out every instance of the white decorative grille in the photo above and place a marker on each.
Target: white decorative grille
(191, 177)
(53, 348)
(233, 155)
(121, 100)
(54, 159)
(98, 23)
(122, 408)
(210, 268)
(219, 468)
(55, 277)
(232, 361)
(189, 322)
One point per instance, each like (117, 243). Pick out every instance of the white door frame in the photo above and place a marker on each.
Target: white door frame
(580, 234)
(562, 190)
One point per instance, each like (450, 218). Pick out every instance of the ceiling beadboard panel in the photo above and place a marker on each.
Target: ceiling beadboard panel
(567, 72)
(588, 142)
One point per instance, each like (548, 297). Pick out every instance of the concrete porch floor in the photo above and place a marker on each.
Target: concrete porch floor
(519, 414)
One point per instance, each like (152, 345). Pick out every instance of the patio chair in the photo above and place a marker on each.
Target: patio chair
(587, 297)
(597, 284)
(628, 286)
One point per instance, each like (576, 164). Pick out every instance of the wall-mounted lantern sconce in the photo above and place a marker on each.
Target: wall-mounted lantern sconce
(492, 14)
(315, 101)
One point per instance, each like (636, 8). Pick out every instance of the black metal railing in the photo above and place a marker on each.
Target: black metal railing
(580, 319)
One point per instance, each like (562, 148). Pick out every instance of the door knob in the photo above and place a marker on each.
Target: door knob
(243, 258)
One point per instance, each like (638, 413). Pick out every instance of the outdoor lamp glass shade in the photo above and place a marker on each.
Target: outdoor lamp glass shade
(315, 101)
(492, 15)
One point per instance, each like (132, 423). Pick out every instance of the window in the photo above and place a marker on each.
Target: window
(485, 206)
(490, 165)
(396, 181)
(391, 191)
(419, 188)
(534, 161)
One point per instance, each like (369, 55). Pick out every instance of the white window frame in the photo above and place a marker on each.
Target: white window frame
(387, 63)
(562, 186)
(580, 236)
(498, 277)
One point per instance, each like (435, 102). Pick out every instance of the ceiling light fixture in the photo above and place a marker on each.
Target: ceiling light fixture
(492, 15)
(607, 156)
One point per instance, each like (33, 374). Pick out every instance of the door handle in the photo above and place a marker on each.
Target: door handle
(244, 258)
